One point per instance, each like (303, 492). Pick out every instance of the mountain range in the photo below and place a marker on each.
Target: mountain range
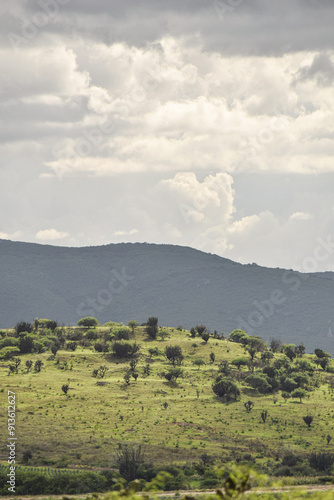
(179, 285)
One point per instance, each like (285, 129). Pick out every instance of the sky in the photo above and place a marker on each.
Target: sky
(201, 123)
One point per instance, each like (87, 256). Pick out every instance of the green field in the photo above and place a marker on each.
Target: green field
(177, 422)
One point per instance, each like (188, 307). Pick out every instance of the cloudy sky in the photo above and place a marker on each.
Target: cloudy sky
(205, 123)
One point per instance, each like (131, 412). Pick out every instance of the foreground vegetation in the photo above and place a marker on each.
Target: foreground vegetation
(172, 408)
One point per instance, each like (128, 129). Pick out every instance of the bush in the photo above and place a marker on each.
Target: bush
(321, 461)
(174, 354)
(239, 336)
(88, 322)
(152, 327)
(125, 349)
(92, 335)
(226, 388)
(259, 383)
(9, 352)
(121, 332)
(23, 326)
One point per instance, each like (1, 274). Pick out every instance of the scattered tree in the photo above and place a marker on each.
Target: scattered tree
(264, 415)
(205, 336)
(128, 460)
(249, 405)
(212, 357)
(65, 388)
(308, 419)
(88, 322)
(38, 365)
(152, 327)
(174, 354)
(29, 364)
(133, 324)
(299, 393)
(226, 388)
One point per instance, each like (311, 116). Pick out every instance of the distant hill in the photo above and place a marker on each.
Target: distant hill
(180, 285)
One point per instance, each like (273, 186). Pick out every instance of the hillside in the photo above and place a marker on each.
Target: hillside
(85, 403)
(180, 285)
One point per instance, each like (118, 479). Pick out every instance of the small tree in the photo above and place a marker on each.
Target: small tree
(201, 329)
(249, 405)
(27, 455)
(173, 374)
(224, 368)
(199, 362)
(128, 460)
(193, 333)
(264, 415)
(212, 357)
(308, 419)
(88, 322)
(38, 365)
(226, 388)
(152, 327)
(174, 354)
(29, 364)
(127, 378)
(23, 326)
(299, 393)
(205, 336)
(239, 362)
(133, 324)
(65, 388)
(328, 438)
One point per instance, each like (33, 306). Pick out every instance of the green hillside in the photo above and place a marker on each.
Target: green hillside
(89, 400)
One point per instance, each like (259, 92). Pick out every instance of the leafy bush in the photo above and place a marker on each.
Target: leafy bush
(226, 388)
(321, 461)
(9, 352)
(239, 336)
(125, 349)
(88, 322)
(259, 383)
(174, 354)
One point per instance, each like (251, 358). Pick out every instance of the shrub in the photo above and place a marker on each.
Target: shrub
(226, 388)
(88, 322)
(23, 326)
(321, 461)
(121, 332)
(125, 349)
(128, 460)
(173, 374)
(259, 383)
(92, 335)
(239, 336)
(9, 352)
(152, 327)
(174, 354)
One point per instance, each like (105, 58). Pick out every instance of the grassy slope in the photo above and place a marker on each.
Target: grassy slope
(86, 426)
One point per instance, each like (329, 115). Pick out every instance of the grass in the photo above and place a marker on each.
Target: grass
(84, 428)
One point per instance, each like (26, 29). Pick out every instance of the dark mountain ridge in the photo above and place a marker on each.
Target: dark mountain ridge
(180, 285)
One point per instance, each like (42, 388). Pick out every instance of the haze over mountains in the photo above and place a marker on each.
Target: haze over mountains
(180, 285)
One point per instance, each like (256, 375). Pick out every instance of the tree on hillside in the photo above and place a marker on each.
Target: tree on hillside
(173, 374)
(254, 345)
(308, 419)
(239, 336)
(290, 351)
(133, 324)
(23, 326)
(299, 393)
(201, 329)
(226, 388)
(276, 345)
(205, 336)
(174, 354)
(321, 354)
(88, 322)
(128, 459)
(239, 362)
(152, 327)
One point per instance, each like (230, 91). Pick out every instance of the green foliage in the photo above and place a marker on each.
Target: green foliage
(173, 374)
(65, 388)
(249, 405)
(128, 460)
(308, 419)
(133, 324)
(299, 393)
(201, 329)
(259, 383)
(321, 461)
(9, 352)
(238, 362)
(23, 326)
(239, 336)
(121, 332)
(125, 349)
(226, 389)
(38, 365)
(152, 327)
(174, 354)
(88, 322)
